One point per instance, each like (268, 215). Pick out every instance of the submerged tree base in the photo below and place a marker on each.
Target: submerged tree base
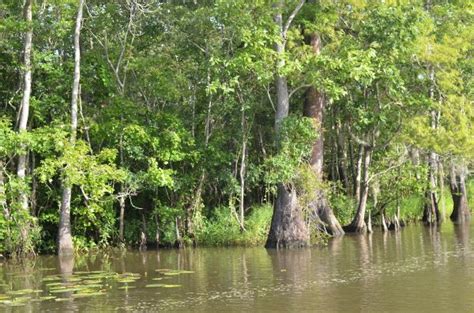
(355, 228)
(288, 229)
(292, 244)
(324, 216)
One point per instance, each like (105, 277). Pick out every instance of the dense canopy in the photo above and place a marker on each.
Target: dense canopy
(178, 123)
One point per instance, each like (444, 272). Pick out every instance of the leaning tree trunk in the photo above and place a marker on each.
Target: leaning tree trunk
(461, 212)
(314, 108)
(288, 229)
(358, 224)
(65, 244)
(431, 213)
(23, 122)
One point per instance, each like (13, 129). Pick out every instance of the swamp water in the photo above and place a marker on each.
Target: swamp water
(416, 270)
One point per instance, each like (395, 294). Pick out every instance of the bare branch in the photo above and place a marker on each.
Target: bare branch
(267, 89)
(291, 18)
(358, 140)
(298, 88)
(402, 161)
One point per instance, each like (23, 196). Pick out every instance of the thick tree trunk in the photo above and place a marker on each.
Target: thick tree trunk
(65, 244)
(461, 212)
(314, 108)
(288, 229)
(358, 224)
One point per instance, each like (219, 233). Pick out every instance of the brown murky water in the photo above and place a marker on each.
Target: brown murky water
(417, 270)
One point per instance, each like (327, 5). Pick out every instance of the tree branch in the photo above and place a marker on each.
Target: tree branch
(298, 88)
(291, 18)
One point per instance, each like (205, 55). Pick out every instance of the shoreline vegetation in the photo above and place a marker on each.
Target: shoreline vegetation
(217, 123)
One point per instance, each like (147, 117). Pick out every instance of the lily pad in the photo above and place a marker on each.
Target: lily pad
(91, 281)
(62, 299)
(88, 294)
(46, 298)
(162, 286)
(51, 278)
(20, 292)
(62, 290)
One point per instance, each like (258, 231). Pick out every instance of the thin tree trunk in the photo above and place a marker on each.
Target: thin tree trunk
(179, 240)
(242, 171)
(397, 216)
(34, 187)
(121, 200)
(358, 178)
(369, 223)
(384, 223)
(415, 158)
(143, 232)
(288, 228)
(442, 200)
(352, 168)
(65, 244)
(431, 211)
(342, 157)
(461, 212)
(3, 195)
(4, 205)
(23, 122)
(358, 224)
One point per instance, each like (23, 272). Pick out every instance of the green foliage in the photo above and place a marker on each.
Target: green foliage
(224, 230)
(342, 204)
(295, 142)
(176, 113)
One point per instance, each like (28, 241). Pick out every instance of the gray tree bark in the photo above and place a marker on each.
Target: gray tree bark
(461, 212)
(431, 213)
(314, 108)
(358, 224)
(24, 115)
(65, 244)
(3, 196)
(288, 229)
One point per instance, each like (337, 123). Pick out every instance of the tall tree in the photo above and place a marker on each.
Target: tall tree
(23, 121)
(288, 228)
(65, 244)
(314, 108)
